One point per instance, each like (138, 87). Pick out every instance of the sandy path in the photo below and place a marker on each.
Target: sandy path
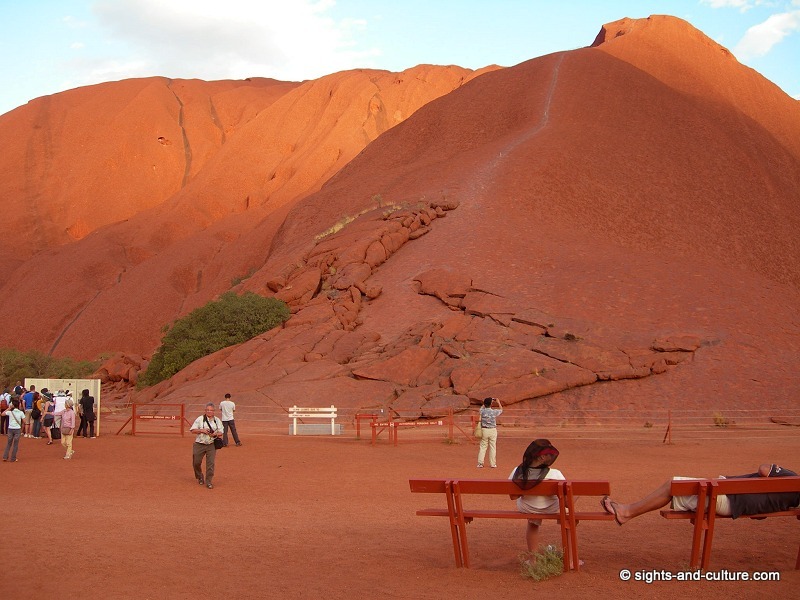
(312, 517)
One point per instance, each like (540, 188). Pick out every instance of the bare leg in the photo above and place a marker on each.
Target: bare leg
(532, 536)
(653, 501)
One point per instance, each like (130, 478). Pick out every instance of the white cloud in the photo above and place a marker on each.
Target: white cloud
(759, 39)
(229, 40)
(740, 4)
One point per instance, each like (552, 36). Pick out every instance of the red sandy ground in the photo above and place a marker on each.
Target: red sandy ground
(313, 517)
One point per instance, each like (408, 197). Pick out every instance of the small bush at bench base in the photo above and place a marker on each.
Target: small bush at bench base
(547, 562)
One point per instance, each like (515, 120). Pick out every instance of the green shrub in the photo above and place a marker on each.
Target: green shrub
(16, 365)
(221, 323)
(547, 562)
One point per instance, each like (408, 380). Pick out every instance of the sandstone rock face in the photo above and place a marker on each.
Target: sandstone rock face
(613, 226)
(432, 368)
(188, 181)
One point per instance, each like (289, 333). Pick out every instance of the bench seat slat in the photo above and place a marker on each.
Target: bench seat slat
(505, 514)
(433, 512)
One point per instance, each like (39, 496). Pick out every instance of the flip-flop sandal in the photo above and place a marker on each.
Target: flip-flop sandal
(612, 510)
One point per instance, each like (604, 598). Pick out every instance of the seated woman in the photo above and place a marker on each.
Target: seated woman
(534, 468)
(733, 505)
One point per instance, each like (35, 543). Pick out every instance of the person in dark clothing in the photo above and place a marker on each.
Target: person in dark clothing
(87, 415)
(732, 505)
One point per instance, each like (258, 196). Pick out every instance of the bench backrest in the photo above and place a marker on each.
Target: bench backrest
(757, 485)
(435, 486)
(579, 487)
(688, 487)
(547, 487)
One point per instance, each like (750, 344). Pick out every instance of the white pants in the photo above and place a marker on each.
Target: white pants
(488, 439)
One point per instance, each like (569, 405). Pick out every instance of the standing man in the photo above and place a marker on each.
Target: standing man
(207, 427)
(27, 402)
(226, 409)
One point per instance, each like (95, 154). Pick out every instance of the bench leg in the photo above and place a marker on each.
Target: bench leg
(710, 520)
(700, 526)
(454, 529)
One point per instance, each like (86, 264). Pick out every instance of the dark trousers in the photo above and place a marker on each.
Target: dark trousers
(232, 426)
(86, 428)
(198, 452)
(37, 428)
(4, 424)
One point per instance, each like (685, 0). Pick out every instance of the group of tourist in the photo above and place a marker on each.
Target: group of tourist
(28, 413)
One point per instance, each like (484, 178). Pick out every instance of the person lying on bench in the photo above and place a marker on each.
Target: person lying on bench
(732, 505)
(535, 467)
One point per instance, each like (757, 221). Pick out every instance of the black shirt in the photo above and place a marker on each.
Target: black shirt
(756, 504)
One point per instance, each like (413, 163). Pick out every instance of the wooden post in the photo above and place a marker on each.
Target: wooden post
(133, 416)
(450, 417)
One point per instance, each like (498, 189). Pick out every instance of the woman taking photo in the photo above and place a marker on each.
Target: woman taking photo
(488, 416)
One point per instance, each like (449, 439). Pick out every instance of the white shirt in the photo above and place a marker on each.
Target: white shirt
(539, 504)
(200, 423)
(226, 408)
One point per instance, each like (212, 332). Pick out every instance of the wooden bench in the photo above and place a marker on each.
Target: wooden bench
(704, 519)
(440, 486)
(296, 412)
(459, 515)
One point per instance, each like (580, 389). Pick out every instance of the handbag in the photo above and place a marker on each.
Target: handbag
(217, 441)
(478, 430)
(66, 430)
(55, 433)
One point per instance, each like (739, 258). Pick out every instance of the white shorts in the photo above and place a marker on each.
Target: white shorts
(550, 510)
(689, 503)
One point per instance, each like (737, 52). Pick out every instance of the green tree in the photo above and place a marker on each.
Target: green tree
(221, 323)
(16, 365)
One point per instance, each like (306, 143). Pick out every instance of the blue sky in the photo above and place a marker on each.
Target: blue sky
(47, 46)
